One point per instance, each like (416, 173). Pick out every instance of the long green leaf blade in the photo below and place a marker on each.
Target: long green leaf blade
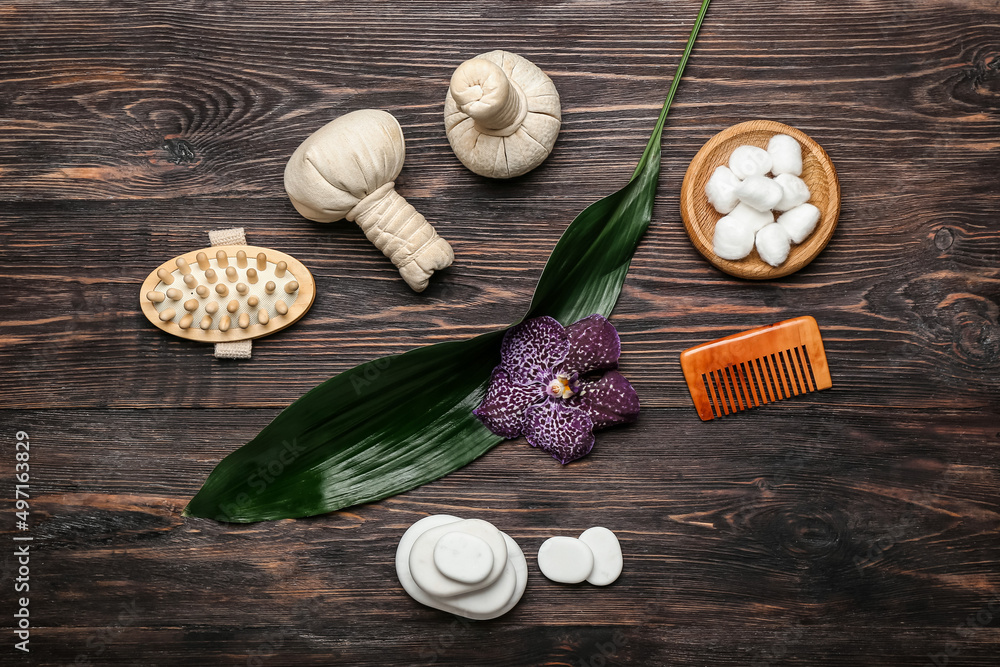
(395, 423)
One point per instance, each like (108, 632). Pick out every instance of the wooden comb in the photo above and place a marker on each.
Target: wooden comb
(755, 367)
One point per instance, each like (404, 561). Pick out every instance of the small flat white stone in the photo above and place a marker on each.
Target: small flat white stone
(425, 572)
(607, 555)
(465, 558)
(565, 560)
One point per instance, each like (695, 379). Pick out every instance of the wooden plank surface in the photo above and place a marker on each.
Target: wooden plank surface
(856, 526)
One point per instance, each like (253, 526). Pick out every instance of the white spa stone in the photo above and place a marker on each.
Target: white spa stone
(565, 560)
(422, 558)
(752, 218)
(721, 189)
(773, 244)
(465, 558)
(799, 222)
(488, 602)
(794, 191)
(607, 555)
(733, 238)
(759, 192)
(786, 155)
(749, 161)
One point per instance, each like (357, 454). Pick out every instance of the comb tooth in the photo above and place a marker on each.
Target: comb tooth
(747, 379)
(190, 280)
(790, 372)
(242, 289)
(221, 258)
(741, 376)
(280, 307)
(183, 266)
(727, 402)
(174, 294)
(224, 323)
(222, 289)
(769, 379)
(233, 306)
(808, 364)
(708, 396)
(779, 378)
(761, 380)
(166, 277)
(206, 322)
(167, 315)
(156, 297)
(291, 287)
(280, 269)
(241, 259)
(253, 301)
(244, 321)
(801, 367)
(191, 305)
(186, 321)
(261, 261)
(212, 307)
(262, 316)
(269, 287)
(731, 378)
(202, 291)
(202, 259)
(231, 274)
(252, 276)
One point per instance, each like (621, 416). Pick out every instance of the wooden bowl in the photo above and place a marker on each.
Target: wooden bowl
(700, 216)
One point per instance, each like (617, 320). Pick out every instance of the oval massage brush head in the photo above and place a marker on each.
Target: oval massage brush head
(226, 294)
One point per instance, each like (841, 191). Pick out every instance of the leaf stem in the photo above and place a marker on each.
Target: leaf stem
(654, 139)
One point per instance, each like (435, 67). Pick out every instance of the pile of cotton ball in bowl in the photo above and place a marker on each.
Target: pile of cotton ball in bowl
(748, 198)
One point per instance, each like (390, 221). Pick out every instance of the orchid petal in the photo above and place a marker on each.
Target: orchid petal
(531, 350)
(609, 401)
(594, 345)
(563, 431)
(502, 411)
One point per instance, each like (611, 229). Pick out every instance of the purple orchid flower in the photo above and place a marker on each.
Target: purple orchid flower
(557, 385)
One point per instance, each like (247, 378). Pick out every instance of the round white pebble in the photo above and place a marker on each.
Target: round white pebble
(794, 191)
(799, 222)
(773, 244)
(759, 192)
(733, 238)
(751, 217)
(463, 557)
(423, 558)
(786, 155)
(749, 161)
(565, 560)
(607, 555)
(721, 190)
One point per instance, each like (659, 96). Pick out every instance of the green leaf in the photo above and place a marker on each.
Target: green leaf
(395, 423)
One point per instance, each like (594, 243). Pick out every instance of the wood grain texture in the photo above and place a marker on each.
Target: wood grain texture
(854, 526)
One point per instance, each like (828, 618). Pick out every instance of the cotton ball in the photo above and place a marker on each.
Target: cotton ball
(721, 190)
(794, 191)
(733, 238)
(799, 222)
(773, 244)
(751, 217)
(749, 161)
(786, 155)
(759, 192)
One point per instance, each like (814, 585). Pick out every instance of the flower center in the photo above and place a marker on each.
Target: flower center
(560, 388)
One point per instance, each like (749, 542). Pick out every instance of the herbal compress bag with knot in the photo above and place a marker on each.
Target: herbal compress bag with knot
(501, 114)
(347, 169)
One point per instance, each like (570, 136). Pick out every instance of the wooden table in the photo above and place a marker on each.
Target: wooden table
(856, 526)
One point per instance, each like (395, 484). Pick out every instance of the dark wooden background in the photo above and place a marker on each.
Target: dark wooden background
(857, 526)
